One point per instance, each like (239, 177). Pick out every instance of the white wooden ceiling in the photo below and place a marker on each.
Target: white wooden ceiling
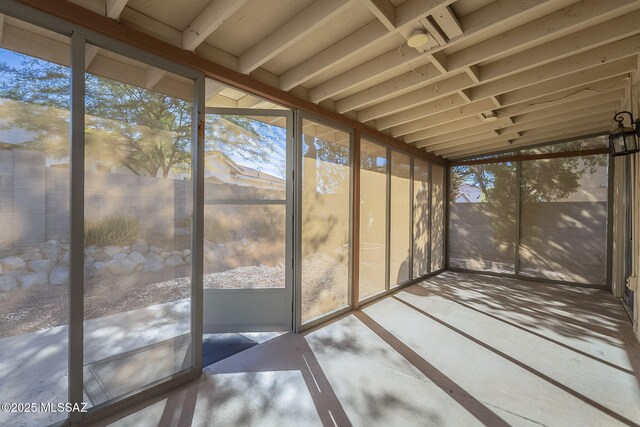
(547, 69)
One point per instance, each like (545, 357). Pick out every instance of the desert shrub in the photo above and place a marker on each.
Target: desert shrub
(114, 230)
(233, 223)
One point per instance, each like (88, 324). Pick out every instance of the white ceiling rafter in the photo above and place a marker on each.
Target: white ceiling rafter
(360, 40)
(448, 22)
(114, 8)
(619, 27)
(314, 16)
(208, 21)
(480, 22)
(384, 11)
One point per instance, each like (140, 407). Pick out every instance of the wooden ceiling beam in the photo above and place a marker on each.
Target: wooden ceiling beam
(582, 61)
(208, 21)
(153, 76)
(570, 19)
(602, 72)
(480, 21)
(574, 133)
(461, 133)
(569, 45)
(115, 8)
(442, 104)
(556, 132)
(433, 31)
(409, 129)
(314, 16)
(447, 21)
(402, 84)
(582, 91)
(413, 99)
(384, 11)
(357, 42)
(561, 120)
(501, 75)
(594, 101)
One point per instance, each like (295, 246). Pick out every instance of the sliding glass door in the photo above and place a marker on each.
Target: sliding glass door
(138, 202)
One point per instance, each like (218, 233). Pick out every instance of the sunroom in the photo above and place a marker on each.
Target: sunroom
(319, 212)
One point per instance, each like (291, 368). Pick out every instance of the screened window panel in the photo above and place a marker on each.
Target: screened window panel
(138, 198)
(564, 219)
(437, 217)
(34, 221)
(483, 217)
(244, 202)
(400, 239)
(373, 218)
(325, 219)
(421, 228)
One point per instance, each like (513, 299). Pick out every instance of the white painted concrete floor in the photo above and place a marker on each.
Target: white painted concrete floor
(458, 350)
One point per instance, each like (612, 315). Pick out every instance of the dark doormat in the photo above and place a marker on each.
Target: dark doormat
(216, 347)
(133, 370)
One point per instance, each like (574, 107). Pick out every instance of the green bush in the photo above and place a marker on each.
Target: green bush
(114, 230)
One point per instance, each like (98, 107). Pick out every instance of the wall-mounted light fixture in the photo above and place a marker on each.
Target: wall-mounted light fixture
(623, 140)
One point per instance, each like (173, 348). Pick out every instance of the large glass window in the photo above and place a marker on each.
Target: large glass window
(421, 228)
(483, 217)
(325, 220)
(564, 219)
(437, 216)
(138, 198)
(34, 220)
(400, 241)
(373, 218)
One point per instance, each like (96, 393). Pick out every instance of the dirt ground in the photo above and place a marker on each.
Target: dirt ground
(29, 310)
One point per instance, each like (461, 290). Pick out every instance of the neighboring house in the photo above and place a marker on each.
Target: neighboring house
(469, 194)
(219, 168)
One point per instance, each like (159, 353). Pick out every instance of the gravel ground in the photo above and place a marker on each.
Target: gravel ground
(30, 310)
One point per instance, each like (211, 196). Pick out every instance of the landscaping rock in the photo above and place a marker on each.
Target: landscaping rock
(33, 279)
(101, 256)
(140, 246)
(59, 276)
(51, 250)
(120, 255)
(39, 264)
(121, 267)
(165, 255)
(187, 259)
(99, 265)
(91, 250)
(174, 261)
(8, 283)
(186, 252)
(11, 263)
(88, 263)
(137, 258)
(156, 249)
(154, 262)
(65, 258)
(30, 256)
(112, 250)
